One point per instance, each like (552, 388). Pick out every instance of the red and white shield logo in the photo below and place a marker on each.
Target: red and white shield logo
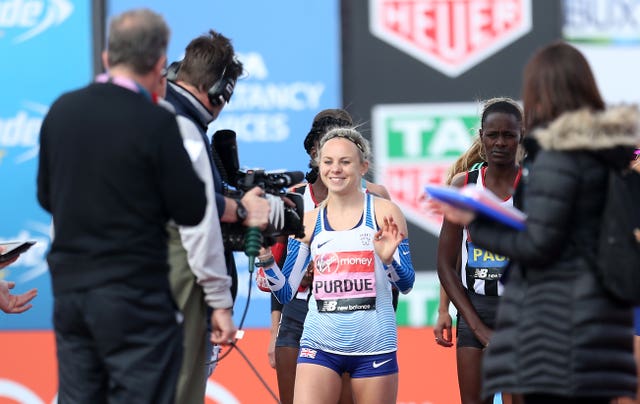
(450, 35)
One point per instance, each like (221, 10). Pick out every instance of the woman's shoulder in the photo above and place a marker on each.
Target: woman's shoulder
(459, 179)
(311, 214)
(554, 173)
(378, 190)
(562, 162)
(383, 204)
(388, 208)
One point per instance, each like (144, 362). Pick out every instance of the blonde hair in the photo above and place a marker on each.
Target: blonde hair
(352, 135)
(472, 156)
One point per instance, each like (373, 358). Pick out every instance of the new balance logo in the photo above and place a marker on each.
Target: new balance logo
(329, 305)
(376, 365)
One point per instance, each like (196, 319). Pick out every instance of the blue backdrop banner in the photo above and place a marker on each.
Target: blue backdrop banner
(46, 50)
(292, 72)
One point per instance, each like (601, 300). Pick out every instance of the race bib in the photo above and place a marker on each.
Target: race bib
(483, 264)
(345, 281)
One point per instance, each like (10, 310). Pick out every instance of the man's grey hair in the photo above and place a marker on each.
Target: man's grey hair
(137, 39)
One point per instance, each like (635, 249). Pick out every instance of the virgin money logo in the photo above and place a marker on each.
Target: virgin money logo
(24, 19)
(450, 35)
(327, 263)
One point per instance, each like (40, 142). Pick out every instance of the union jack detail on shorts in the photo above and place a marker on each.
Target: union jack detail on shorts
(308, 353)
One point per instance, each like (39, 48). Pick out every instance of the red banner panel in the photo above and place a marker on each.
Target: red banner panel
(28, 371)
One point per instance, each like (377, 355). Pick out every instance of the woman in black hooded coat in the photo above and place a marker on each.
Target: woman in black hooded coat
(559, 337)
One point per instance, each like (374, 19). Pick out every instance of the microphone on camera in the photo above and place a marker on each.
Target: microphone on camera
(225, 155)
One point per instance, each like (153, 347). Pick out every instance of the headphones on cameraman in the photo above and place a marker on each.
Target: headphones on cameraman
(220, 92)
(171, 72)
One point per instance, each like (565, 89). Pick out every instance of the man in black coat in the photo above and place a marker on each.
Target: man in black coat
(112, 172)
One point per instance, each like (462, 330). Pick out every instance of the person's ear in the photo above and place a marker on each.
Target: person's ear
(521, 135)
(365, 168)
(105, 60)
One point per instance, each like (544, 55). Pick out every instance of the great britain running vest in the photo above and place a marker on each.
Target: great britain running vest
(350, 308)
(483, 269)
(310, 203)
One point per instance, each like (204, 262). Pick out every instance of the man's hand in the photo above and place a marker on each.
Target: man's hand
(14, 304)
(223, 330)
(9, 262)
(257, 207)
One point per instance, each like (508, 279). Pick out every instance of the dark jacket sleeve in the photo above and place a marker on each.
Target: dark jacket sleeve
(182, 190)
(550, 198)
(43, 171)
(218, 188)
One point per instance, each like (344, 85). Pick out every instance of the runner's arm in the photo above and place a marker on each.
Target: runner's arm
(401, 273)
(284, 282)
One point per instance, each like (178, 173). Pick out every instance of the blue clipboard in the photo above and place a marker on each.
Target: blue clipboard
(511, 217)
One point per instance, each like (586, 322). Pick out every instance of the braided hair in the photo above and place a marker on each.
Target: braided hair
(324, 121)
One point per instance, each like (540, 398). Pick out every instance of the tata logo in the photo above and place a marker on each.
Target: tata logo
(254, 64)
(450, 35)
(415, 144)
(29, 18)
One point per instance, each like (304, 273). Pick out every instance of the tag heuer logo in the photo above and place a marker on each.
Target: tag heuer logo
(450, 35)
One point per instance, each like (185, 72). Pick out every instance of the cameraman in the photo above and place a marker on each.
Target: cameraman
(198, 91)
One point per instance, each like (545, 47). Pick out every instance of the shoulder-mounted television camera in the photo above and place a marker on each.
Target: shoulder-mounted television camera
(284, 219)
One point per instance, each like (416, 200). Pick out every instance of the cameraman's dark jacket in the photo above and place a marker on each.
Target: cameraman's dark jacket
(185, 104)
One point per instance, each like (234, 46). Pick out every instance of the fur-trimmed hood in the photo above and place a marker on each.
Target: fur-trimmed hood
(587, 130)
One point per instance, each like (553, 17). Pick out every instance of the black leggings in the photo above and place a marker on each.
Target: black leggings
(551, 399)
